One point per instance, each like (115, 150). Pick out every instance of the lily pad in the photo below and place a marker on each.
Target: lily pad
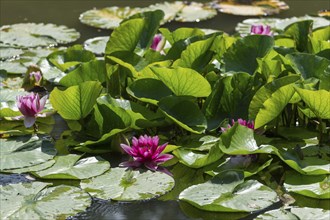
(277, 214)
(128, 185)
(23, 152)
(70, 167)
(227, 192)
(96, 45)
(9, 52)
(34, 35)
(195, 12)
(311, 186)
(170, 9)
(107, 18)
(311, 213)
(36, 201)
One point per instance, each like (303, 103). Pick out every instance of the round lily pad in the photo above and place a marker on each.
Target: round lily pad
(195, 12)
(107, 18)
(9, 52)
(36, 201)
(127, 185)
(34, 35)
(255, 8)
(227, 192)
(96, 45)
(170, 9)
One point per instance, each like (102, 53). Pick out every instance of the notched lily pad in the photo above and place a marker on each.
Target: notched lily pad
(255, 8)
(34, 35)
(107, 18)
(36, 201)
(128, 185)
(195, 12)
(170, 9)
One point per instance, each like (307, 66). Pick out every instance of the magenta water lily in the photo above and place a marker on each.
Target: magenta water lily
(158, 42)
(261, 29)
(246, 123)
(146, 151)
(30, 106)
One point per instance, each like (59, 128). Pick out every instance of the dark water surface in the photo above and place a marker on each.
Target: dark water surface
(66, 12)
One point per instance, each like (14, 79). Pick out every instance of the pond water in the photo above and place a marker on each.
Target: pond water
(67, 13)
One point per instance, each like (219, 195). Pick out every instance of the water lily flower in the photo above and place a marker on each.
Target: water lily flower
(248, 124)
(30, 106)
(146, 151)
(261, 29)
(158, 42)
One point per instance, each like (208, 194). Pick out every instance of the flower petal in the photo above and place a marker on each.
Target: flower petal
(127, 149)
(151, 165)
(130, 164)
(164, 170)
(29, 121)
(163, 158)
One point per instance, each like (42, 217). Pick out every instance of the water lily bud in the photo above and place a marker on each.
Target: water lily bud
(261, 29)
(35, 78)
(158, 42)
(30, 106)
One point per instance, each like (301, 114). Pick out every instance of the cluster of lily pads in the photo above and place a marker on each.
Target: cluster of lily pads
(221, 123)
(182, 11)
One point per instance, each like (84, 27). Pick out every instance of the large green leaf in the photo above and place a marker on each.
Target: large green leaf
(197, 55)
(227, 192)
(205, 151)
(270, 100)
(300, 31)
(129, 36)
(128, 185)
(90, 71)
(76, 102)
(36, 201)
(24, 152)
(309, 65)
(72, 167)
(312, 186)
(149, 90)
(317, 101)
(180, 34)
(238, 140)
(183, 112)
(183, 81)
(34, 35)
(230, 98)
(242, 55)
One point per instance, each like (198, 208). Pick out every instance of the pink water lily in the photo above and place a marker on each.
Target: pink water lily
(261, 29)
(146, 151)
(249, 124)
(158, 42)
(30, 106)
(35, 78)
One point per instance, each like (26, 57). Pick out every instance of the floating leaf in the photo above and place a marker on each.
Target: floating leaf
(227, 192)
(128, 185)
(195, 12)
(170, 9)
(311, 213)
(34, 168)
(76, 102)
(311, 186)
(24, 152)
(277, 214)
(107, 18)
(34, 35)
(176, 109)
(72, 167)
(35, 201)
(183, 81)
(9, 52)
(96, 45)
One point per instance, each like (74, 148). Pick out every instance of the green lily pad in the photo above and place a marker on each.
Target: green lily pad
(227, 192)
(246, 10)
(311, 213)
(34, 168)
(277, 214)
(170, 9)
(195, 12)
(34, 35)
(24, 152)
(128, 185)
(9, 52)
(72, 167)
(107, 18)
(37, 201)
(96, 45)
(311, 186)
